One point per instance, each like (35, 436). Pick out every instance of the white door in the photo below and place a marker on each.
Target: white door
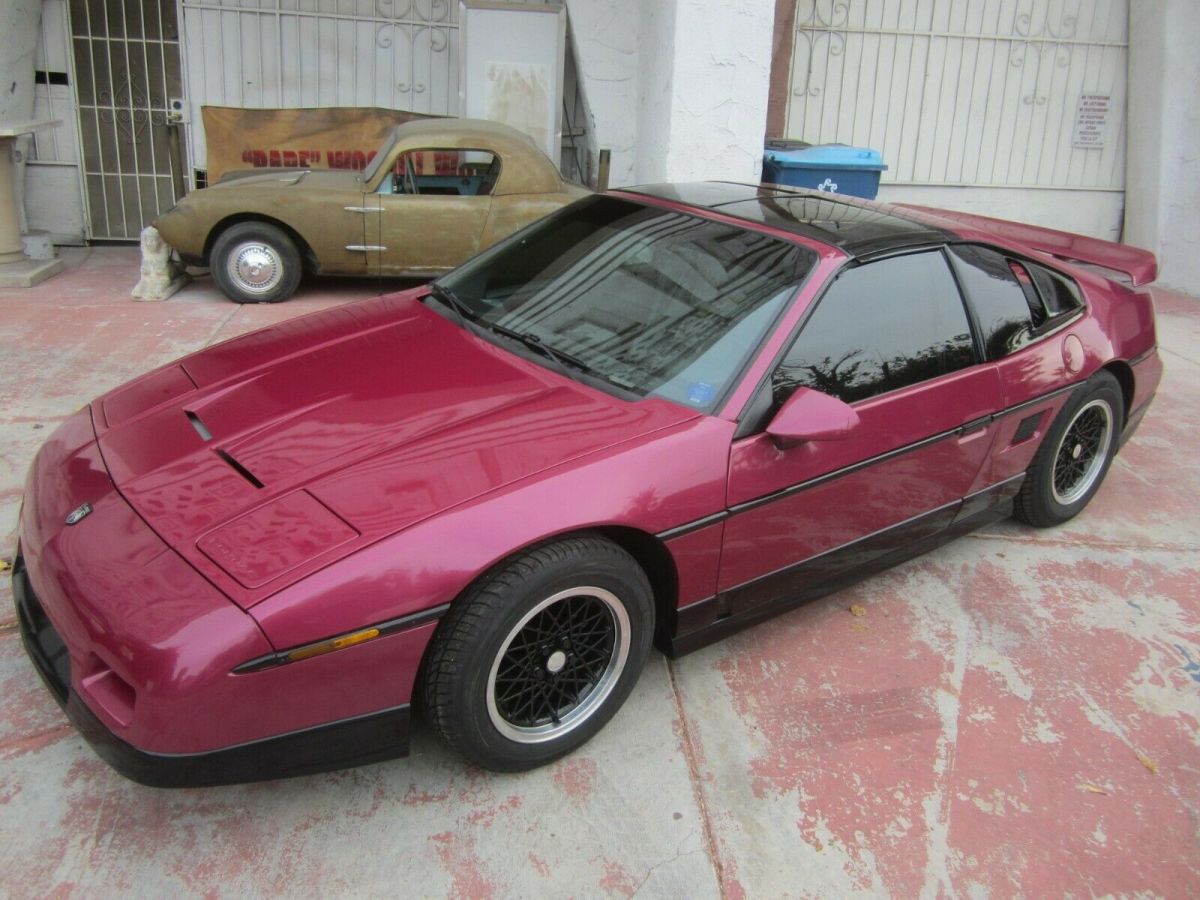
(53, 182)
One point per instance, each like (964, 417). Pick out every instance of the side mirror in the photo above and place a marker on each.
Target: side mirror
(809, 415)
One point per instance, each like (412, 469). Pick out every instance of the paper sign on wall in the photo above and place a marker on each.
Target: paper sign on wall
(1091, 121)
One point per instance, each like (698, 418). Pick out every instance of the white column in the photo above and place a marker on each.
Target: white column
(16, 270)
(1162, 179)
(677, 88)
(704, 89)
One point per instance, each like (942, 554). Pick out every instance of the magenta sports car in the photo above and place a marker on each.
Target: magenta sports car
(655, 417)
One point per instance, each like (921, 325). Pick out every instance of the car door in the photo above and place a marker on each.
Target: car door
(431, 210)
(892, 339)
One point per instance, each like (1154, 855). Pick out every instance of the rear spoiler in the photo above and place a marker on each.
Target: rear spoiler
(1139, 266)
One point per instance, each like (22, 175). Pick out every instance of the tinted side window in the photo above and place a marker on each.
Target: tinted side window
(1000, 300)
(880, 327)
(1058, 293)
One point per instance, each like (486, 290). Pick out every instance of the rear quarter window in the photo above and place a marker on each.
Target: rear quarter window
(1014, 300)
(1059, 294)
(1004, 307)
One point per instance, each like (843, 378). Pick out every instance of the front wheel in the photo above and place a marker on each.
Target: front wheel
(1075, 456)
(534, 659)
(256, 262)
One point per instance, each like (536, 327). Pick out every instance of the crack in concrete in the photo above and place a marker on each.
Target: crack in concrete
(679, 854)
(212, 335)
(689, 752)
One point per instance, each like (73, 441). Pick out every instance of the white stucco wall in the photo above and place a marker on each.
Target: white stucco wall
(606, 48)
(677, 89)
(1094, 213)
(1162, 187)
(655, 89)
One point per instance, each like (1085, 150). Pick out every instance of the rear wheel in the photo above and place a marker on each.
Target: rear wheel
(1075, 456)
(536, 658)
(256, 262)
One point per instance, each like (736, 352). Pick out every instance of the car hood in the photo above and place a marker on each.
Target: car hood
(276, 453)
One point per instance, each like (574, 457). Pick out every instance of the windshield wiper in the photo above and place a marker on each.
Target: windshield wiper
(560, 357)
(452, 300)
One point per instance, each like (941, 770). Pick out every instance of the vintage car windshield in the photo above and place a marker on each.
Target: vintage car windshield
(647, 299)
(380, 158)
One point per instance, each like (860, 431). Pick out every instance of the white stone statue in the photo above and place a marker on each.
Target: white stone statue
(162, 276)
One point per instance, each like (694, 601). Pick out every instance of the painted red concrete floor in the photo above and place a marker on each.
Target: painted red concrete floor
(1017, 714)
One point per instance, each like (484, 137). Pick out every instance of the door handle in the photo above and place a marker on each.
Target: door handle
(974, 425)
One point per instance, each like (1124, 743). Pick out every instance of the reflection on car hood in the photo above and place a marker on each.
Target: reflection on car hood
(342, 427)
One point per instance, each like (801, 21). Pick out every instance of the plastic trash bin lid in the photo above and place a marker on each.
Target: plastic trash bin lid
(828, 156)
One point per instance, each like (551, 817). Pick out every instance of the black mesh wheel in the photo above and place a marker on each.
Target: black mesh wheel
(1082, 451)
(1075, 455)
(558, 664)
(539, 654)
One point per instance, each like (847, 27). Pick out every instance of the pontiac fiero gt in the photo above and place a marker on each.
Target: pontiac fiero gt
(657, 416)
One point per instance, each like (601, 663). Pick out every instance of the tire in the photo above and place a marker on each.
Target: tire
(536, 657)
(256, 262)
(1071, 464)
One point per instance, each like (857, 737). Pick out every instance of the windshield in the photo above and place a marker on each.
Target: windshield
(649, 300)
(378, 160)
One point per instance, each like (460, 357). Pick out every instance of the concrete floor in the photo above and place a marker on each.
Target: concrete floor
(1017, 714)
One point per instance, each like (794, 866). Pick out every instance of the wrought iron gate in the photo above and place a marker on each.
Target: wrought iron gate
(126, 70)
(970, 92)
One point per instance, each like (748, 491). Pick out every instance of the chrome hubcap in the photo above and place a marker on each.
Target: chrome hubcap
(558, 664)
(1080, 455)
(255, 267)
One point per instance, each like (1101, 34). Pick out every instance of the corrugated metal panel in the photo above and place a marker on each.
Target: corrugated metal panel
(262, 54)
(972, 92)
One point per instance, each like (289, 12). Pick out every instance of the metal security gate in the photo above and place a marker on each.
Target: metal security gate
(264, 54)
(127, 69)
(966, 92)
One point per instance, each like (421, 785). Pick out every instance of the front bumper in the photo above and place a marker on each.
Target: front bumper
(369, 738)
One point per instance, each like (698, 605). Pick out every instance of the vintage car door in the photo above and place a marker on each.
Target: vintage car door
(892, 339)
(430, 210)
(323, 206)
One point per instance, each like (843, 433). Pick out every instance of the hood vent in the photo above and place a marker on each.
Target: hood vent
(238, 467)
(205, 434)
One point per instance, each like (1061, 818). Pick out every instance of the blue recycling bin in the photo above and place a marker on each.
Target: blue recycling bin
(834, 168)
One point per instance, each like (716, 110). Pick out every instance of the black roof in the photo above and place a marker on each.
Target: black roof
(860, 228)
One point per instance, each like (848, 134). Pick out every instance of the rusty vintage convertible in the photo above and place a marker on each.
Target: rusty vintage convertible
(437, 192)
